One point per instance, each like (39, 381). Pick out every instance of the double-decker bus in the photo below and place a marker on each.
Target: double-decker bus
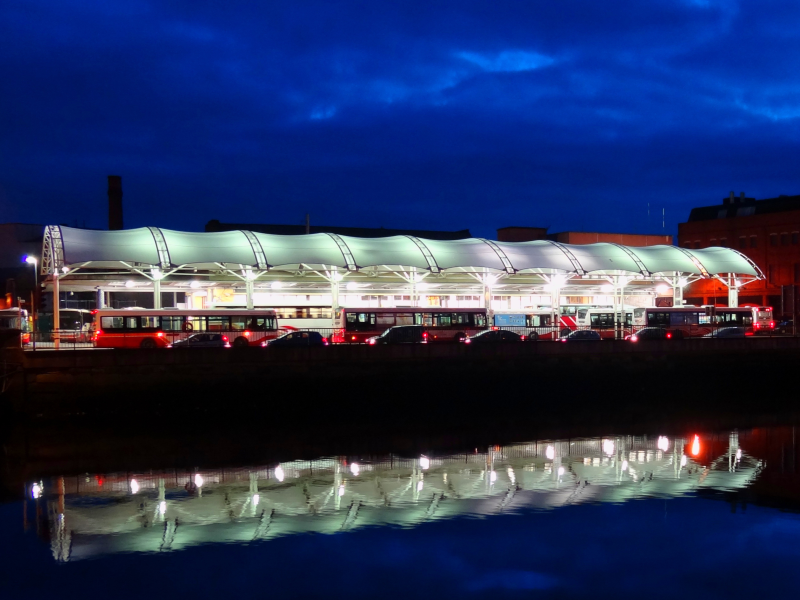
(13, 322)
(158, 328)
(696, 321)
(356, 325)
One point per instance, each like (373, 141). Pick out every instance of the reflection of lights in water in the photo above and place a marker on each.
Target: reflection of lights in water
(279, 473)
(355, 469)
(608, 447)
(663, 443)
(624, 465)
(696, 446)
(550, 452)
(493, 476)
(256, 499)
(419, 485)
(683, 460)
(738, 454)
(134, 486)
(162, 507)
(198, 480)
(560, 471)
(424, 462)
(36, 491)
(341, 490)
(511, 475)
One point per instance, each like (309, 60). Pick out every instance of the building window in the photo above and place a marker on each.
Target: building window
(754, 241)
(697, 244)
(784, 239)
(742, 242)
(794, 238)
(687, 244)
(713, 241)
(773, 239)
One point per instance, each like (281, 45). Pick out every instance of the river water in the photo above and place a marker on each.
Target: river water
(702, 514)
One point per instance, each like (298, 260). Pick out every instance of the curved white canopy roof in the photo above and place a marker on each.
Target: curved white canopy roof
(151, 247)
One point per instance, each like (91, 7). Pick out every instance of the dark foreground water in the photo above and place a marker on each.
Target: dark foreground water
(623, 515)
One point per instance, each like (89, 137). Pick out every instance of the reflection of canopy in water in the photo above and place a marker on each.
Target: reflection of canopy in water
(326, 496)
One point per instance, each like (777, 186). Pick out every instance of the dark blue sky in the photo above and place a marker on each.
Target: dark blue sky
(448, 115)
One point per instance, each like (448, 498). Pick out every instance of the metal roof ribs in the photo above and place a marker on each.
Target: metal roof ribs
(434, 267)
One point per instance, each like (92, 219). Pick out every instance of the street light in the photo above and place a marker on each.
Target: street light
(32, 260)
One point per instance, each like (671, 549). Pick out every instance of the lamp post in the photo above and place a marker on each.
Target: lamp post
(31, 260)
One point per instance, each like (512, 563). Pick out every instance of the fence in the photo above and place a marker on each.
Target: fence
(68, 339)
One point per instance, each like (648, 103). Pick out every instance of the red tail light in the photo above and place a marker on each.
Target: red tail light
(99, 332)
(424, 335)
(246, 334)
(224, 338)
(669, 335)
(160, 334)
(371, 342)
(757, 325)
(771, 324)
(522, 337)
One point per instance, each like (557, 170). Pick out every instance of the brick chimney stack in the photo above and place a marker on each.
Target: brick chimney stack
(114, 202)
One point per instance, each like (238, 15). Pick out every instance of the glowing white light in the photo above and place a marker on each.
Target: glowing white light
(156, 274)
(250, 275)
(194, 285)
(493, 476)
(511, 475)
(683, 460)
(606, 288)
(279, 475)
(419, 485)
(624, 465)
(355, 469)
(550, 452)
(36, 491)
(162, 507)
(352, 285)
(198, 480)
(134, 486)
(608, 447)
(683, 282)
(738, 454)
(65, 269)
(662, 289)
(276, 285)
(424, 462)
(623, 281)
(738, 283)
(341, 490)
(663, 443)
(256, 499)
(129, 284)
(560, 471)
(422, 286)
(30, 260)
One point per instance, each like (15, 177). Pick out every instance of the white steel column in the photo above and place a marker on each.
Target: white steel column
(248, 290)
(677, 291)
(56, 309)
(733, 291)
(487, 302)
(334, 295)
(101, 298)
(156, 292)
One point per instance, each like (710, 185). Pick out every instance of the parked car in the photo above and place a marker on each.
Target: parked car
(728, 333)
(401, 334)
(648, 334)
(785, 327)
(582, 335)
(494, 336)
(203, 340)
(297, 339)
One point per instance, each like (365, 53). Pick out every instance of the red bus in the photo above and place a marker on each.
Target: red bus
(356, 325)
(697, 321)
(158, 328)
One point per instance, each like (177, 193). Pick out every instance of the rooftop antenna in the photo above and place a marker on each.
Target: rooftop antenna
(663, 227)
(308, 223)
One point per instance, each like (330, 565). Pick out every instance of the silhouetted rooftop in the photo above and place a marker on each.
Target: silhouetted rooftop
(745, 207)
(363, 232)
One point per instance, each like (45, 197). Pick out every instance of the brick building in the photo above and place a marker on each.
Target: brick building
(527, 234)
(767, 231)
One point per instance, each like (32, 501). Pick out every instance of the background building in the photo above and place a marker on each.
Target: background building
(528, 234)
(767, 231)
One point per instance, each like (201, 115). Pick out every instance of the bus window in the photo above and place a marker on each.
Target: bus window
(405, 318)
(238, 323)
(219, 323)
(118, 323)
(443, 320)
(195, 323)
(658, 319)
(479, 319)
(385, 319)
(582, 313)
(172, 323)
(149, 322)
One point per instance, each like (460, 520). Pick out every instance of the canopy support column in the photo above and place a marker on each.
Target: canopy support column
(733, 292)
(248, 290)
(101, 298)
(56, 309)
(156, 292)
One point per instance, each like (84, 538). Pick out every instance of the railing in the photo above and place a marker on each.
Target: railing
(66, 339)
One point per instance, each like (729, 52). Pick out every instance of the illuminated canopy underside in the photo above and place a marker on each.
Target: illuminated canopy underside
(151, 247)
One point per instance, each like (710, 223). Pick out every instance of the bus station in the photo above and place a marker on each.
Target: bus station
(324, 271)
